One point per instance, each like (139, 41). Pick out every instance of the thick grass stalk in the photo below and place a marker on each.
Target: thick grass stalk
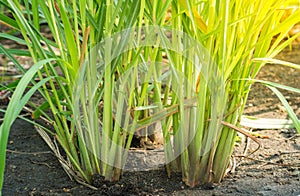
(74, 37)
(234, 36)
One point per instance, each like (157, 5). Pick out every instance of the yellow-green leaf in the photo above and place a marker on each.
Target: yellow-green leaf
(198, 20)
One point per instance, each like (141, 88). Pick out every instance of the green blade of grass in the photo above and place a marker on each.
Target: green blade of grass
(277, 85)
(277, 62)
(45, 106)
(12, 58)
(288, 108)
(13, 38)
(8, 21)
(31, 122)
(18, 52)
(71, 44)
(14, 107)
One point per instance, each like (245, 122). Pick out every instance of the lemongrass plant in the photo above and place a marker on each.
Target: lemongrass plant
(75, 28)
(236, 33)
(125, 65)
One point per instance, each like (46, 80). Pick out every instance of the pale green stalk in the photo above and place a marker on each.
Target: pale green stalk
(237, 31)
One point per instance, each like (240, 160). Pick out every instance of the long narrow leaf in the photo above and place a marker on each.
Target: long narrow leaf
(277, 61)
(288, 108)
(14, 107)
(277, 85)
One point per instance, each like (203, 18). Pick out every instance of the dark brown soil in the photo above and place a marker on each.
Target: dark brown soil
(32, 169)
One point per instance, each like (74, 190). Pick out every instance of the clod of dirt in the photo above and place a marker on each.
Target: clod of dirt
(98, 180)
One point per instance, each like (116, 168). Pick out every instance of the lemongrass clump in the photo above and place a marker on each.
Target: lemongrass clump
(76, 28)
(235, 33)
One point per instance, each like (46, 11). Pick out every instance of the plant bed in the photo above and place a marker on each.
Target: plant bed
(273, 170)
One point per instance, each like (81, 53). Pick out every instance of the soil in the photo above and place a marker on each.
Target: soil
(32, 169)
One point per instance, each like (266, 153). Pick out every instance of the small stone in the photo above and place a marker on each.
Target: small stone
(296, 173)
(66, 190)
(264, 193)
